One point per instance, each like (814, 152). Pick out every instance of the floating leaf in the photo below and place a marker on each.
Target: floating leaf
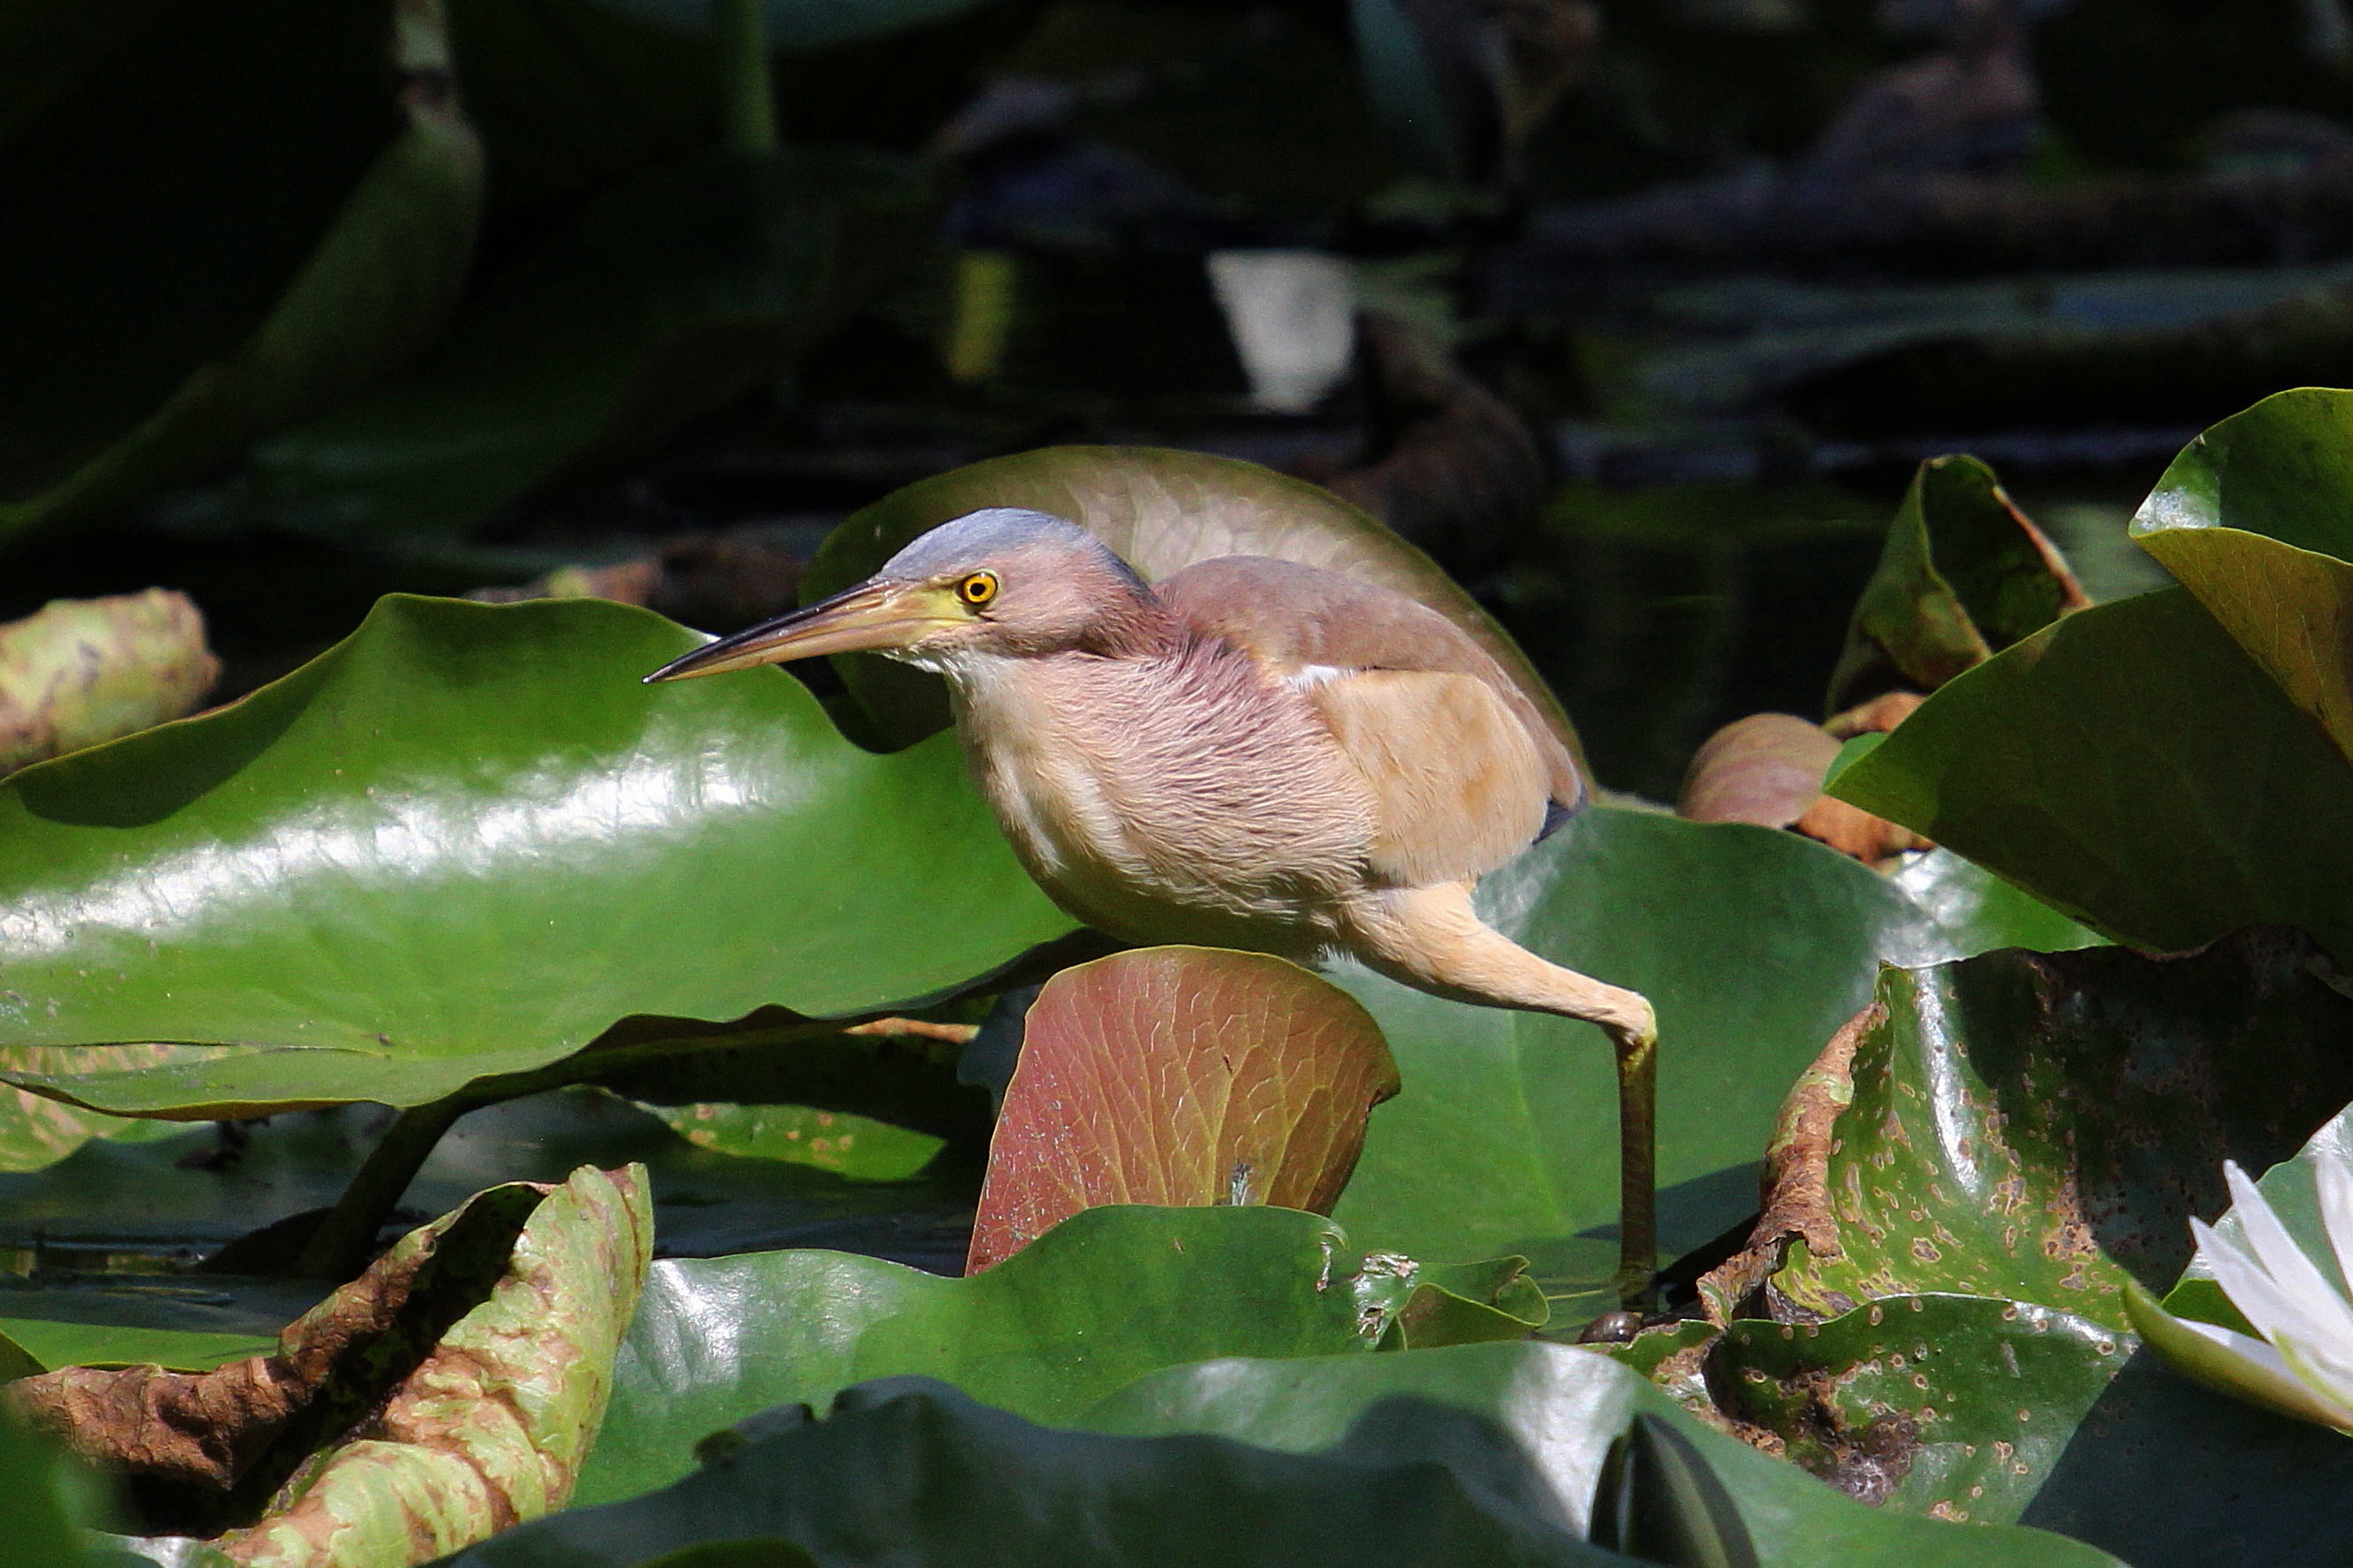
(209, 276)
(466, 842)
(2133, 768)
(451, 1390)
(1160, 511)
(1964, 575)
(36, 1132)
(48, 1346)
(717, 1340)
(1179, 1075)
(2039, 1128)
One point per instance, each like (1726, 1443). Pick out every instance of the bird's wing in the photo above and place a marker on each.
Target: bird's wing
(1299, 621)
(1457, 761)
(1456, 780)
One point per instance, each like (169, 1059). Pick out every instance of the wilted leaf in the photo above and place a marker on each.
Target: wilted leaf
(2131, 766)
(315, 874)
(1964, 575)
(86, 671)
(2039, 1128)
(663, 297)
(1765, 769)
(450, 1391)
(2253, 518)
(1133, 1288)
(1179, 1075)
(1160, 511)
(179, 324)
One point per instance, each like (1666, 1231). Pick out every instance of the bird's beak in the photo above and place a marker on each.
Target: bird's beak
(873, 616)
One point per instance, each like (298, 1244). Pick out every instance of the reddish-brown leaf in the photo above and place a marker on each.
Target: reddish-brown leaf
(1181, 1075)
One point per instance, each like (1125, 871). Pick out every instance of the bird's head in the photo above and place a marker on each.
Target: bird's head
(1004, 582)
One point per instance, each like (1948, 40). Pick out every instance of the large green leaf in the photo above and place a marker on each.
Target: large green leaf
(1179, 1075)
(2254, 518)
(231, 220)
(1159, 510)
(914, 1474)
(1560, 1408)
(1754, 946)
(1106, 1295)
(2039, 1128)
(2131, 766)
(466, 842)
(664, 297)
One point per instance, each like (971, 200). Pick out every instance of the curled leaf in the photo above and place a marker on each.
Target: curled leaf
(1181, 1075)
(448, 1393)
(86, 671)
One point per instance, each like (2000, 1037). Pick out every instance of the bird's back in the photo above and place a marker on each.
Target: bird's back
(1465, 769)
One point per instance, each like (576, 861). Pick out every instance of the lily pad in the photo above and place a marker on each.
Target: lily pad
(48, 1346)
(1964, 575)
(1754, 945)
(2131, 766)
(2039, 1128)
(2253, 518)
(1159, 510)
(1179, 1075)
(236, 221)
(1105, 1296)
(466, 842)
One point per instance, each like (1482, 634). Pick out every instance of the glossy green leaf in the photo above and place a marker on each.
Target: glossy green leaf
(2041, 1128)
(50, 1345)
(2253, 518)
(1106, 1295)
(250, 321)
(36, 1132)
(663, 297)
(2133, 768)
(1561, 1408)
(855, 1146)
(1963, 576)
(466, 842)
(1754, 945)
(1181, 1075)
(1159, 510)
(912, 1473)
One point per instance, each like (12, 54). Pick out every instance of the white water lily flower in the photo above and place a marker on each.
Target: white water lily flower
(2302, 1364)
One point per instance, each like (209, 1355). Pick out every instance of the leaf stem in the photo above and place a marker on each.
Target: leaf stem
(746, 89)
(1638, 1158)
(345, 1239)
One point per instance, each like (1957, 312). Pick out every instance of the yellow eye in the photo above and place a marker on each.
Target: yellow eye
(978, 588)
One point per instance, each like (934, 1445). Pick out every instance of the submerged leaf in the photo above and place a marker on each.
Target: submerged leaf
(1179, 1075)
(450, 1391)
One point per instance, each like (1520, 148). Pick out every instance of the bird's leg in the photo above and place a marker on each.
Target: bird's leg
(1431, 939)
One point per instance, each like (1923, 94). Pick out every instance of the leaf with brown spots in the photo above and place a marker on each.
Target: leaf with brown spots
(1181, 1075)
(2038, 1127)
(450, 1391)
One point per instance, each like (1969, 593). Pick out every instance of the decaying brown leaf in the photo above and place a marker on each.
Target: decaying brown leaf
(84, 670)
(449, 1392)
(1767, 769)
(1794, 1192)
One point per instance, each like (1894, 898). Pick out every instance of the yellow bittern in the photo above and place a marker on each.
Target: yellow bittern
(1249, 753)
